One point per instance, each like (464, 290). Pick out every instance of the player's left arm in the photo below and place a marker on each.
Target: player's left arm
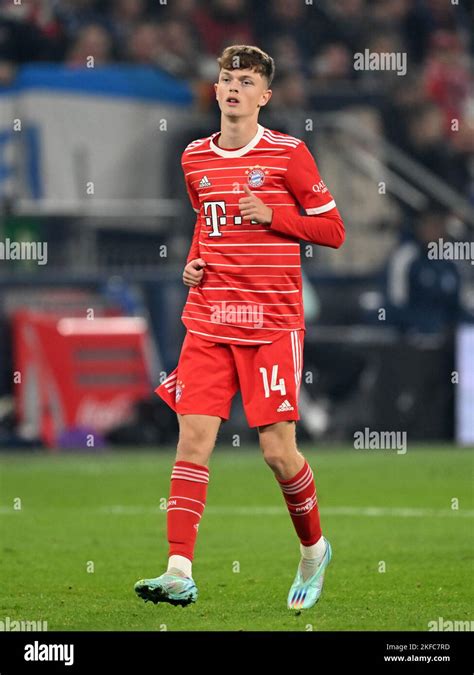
(322, 223)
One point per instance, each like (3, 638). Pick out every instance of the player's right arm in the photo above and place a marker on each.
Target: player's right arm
(193, 272)
(194, 269)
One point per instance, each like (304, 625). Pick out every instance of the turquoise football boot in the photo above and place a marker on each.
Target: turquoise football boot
(305, 594)
(171, 588)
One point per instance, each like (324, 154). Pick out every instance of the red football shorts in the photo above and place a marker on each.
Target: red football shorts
(209, 374)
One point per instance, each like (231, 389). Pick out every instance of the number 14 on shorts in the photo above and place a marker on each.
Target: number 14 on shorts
(274, 386)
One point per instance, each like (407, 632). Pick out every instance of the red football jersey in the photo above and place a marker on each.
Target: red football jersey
(251, 290)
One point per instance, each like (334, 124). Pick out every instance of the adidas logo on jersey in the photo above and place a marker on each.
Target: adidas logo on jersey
(286, 405)
(205, 182)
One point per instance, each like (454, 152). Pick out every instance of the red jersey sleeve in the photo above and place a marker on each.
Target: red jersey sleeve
(194, 199)
(194, 249)
(192, 193)
(322, 223)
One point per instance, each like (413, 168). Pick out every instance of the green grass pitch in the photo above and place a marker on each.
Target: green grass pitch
(89, 526)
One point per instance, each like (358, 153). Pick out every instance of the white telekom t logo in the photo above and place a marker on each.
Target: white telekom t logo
(214, 220)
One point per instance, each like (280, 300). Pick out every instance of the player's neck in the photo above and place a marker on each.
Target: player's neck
(236, 134)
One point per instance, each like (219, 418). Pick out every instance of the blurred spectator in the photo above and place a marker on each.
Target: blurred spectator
(183, 10)
(93, 41)
(350, 23)
(390, 13)
(447, 77)
(123, 16)
(20, 41)
(38, 13)
(290, 104)
(287, 20)
(387, 42)
(334, 62)
(428, 145)
(178, 55)
(427, 16)
(223, 22)
(143, 46)
(288, 58)
(462, 143)
(441, 15)
(290, 92)
(423, 294)
(74, 14)
(405, 95)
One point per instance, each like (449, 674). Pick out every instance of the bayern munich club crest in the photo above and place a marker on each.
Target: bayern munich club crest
(255, 176)
(179, 390)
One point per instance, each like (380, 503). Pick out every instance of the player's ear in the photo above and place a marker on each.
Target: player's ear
(267, 96)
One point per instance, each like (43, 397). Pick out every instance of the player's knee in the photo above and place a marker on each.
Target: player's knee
(278, 449)
(279, 461)
(273, 451)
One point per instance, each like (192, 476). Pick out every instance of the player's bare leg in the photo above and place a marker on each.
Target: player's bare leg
(189, 480)
(278, 444)
(293, 473)
(197, 437)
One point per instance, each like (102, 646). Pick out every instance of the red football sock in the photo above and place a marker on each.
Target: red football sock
(185, 506)
(300, 497)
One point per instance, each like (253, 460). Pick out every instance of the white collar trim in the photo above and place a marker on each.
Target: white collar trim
(241, 151)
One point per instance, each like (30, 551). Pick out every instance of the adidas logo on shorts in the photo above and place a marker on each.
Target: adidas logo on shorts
(205, 182)
(286, 405)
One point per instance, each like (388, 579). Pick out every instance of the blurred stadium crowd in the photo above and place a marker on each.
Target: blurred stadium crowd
(313, 46)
